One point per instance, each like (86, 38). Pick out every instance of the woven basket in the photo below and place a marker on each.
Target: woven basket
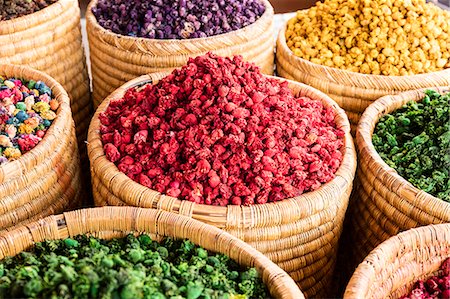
(45, 180)
(393, 267)
(50, 41)
(116, 59)
(299, 234)
(354, 92)
(115, 222)
(385, 203)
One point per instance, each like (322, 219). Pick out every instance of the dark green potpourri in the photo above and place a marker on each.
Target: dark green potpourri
(415, 141)
(127, 268)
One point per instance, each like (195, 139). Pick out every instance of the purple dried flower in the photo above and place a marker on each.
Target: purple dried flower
(176, 19)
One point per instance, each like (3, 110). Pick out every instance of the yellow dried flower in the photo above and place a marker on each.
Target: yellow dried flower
(388, 37)
(12, 153)
(5, 141)
(50, 115)
(41, 107)
(25, 129)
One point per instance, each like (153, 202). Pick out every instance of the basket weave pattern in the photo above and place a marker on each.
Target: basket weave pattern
(299, 234)
(45, 180)
(393, 267)
(354, 92)
(116, 59)
(385, 203)
(50, 41)
(113, 222)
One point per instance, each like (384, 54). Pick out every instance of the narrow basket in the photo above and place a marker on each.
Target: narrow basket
(354, 92)
(393, 267)
(116, 59)
(385, 203)
(114, 222)
(299, 234)
(50, 41)
(45, 180)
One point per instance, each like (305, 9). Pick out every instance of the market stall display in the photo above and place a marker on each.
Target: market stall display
(224, 28)
(386, 203)
(299, 233)
(359, 51)
(39, 162)
(156, 271)
(194, 139)
(414, 261)
(46, 35)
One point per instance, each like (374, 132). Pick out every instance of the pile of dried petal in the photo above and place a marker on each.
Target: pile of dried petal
(176, 19)
(219, 132)
(26, 112)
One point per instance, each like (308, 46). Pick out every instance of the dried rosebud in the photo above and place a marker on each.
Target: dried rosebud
(111, 152)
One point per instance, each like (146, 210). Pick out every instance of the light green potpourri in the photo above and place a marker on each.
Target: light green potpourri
(126, 268)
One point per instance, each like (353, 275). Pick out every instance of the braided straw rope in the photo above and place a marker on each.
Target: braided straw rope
(116, 222)
(385, 203)
(116, 59)
(299, 234)
(393, 267)
(354, 92)
(50, 41)
(45, 180)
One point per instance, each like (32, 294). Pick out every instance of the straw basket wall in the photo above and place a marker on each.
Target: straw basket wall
(115, 222)
(50, 41)
(116, 59)
(385, 203)
(299, 234)
(45, 180)
(354, 92)
(393, 267)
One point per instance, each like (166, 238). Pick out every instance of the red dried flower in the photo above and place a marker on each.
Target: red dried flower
(219, 132)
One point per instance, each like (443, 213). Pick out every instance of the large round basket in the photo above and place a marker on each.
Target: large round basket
(115, 222)
(393, 267)
(45, 180)
(116, 59)
(385, 203)
(50, 41)
(299, 234)
(354, 92)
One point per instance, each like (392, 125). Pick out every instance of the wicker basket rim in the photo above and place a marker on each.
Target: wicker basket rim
(35, 15)
(158, 222)
(62, 113)
(363, 137)
(391, 80)
(349, 155)
(384, 254)
(110, 34)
